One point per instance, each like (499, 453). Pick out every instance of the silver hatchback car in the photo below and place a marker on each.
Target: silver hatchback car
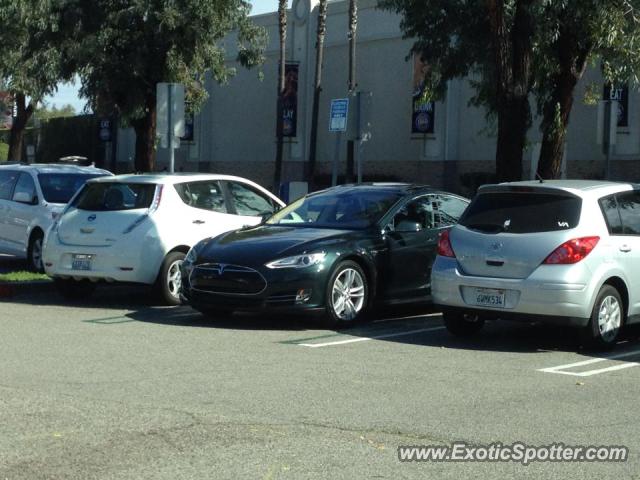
(560, 251)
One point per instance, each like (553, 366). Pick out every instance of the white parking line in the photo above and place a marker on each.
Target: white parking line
(562, 369)
(364, 339)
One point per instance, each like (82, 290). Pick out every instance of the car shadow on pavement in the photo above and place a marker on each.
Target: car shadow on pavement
(504, 336)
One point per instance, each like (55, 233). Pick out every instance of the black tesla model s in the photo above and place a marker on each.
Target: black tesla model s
(335, 251)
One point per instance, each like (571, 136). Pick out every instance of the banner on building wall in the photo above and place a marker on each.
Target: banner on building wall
(423, 111)
(290, 101)
(619, 93)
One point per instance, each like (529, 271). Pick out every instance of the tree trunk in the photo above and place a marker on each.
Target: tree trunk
(353, 28)
(317, 89)
(513, 50)
(573, 62)
(282, 21)
(16, 136)
(145, 129)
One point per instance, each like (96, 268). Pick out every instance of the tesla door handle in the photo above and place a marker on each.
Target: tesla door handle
(198, 222)
(625, 248)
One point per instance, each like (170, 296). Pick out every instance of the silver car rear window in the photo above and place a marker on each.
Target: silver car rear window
(100, 197)
(522, 212)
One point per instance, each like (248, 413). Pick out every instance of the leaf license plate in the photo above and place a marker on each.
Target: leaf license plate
(81, 262)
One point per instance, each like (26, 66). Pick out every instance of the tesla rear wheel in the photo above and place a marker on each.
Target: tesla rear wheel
(169, 280)
(606, 320)
(74, 289)
(347, 295)
(462, 324)
(34, 254)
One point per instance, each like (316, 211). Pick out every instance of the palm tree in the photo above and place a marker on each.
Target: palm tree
(317, 89)
(282, 21)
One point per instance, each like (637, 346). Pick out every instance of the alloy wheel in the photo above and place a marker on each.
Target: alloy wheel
(347, 295)
(174, 280)
(609, 318)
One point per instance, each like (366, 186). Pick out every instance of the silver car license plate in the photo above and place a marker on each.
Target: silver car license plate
(81, 261)
(488, 297)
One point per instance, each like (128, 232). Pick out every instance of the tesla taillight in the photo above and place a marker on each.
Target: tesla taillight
(444, 245)
(572, 251)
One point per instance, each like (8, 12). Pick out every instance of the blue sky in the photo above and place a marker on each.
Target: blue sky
(68, 93)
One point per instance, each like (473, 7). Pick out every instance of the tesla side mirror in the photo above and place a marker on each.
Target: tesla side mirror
(408, 226)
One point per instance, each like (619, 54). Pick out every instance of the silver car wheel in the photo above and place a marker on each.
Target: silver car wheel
(347, 294)
(609, 318)
(174, 280)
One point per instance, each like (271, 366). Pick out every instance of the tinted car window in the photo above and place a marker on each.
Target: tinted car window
(609, 208)
(629, 208)
(349, 209)
(522, 212)
(207, 195)
(7, 181)
(448, 210)
(25, 185)
(248, 201)
(420, 211)
(60, 187)
(115, 196)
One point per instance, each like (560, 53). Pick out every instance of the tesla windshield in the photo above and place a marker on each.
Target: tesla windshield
(355, 208)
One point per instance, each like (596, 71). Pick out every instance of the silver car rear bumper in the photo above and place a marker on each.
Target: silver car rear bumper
(543, 296)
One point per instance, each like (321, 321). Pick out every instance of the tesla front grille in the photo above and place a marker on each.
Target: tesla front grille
(227, 279)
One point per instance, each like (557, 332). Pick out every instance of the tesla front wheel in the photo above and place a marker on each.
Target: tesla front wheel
(347, 295)
(606, 320)
(169, 280)
(462, 324)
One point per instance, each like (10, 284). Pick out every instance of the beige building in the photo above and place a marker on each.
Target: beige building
(235, 131)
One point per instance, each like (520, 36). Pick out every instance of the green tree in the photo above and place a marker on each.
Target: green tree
(490, 40)
(45, 112)
(123, 48)
(515, 49)
(31, 63)
(575, 35)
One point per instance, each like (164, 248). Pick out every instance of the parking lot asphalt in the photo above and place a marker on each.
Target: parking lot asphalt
(115, 387)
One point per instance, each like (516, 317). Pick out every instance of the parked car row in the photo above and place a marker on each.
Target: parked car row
(560, 252)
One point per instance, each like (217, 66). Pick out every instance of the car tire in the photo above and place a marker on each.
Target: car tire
(347, 295)
(169, 280)
(34, 252)
(607, 319)
(74, 289)
(462, 324)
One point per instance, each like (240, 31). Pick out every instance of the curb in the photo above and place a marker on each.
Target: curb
(12, 289)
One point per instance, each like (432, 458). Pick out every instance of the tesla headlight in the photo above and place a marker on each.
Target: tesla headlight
(298, 261)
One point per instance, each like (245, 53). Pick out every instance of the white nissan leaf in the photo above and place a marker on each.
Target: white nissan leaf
(138, 228)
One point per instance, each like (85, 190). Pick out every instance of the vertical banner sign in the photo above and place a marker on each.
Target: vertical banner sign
(619, 93)
(290, 101)
(423, 111)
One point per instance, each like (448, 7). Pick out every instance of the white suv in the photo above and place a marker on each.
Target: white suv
(31, 196)
(138, 228)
